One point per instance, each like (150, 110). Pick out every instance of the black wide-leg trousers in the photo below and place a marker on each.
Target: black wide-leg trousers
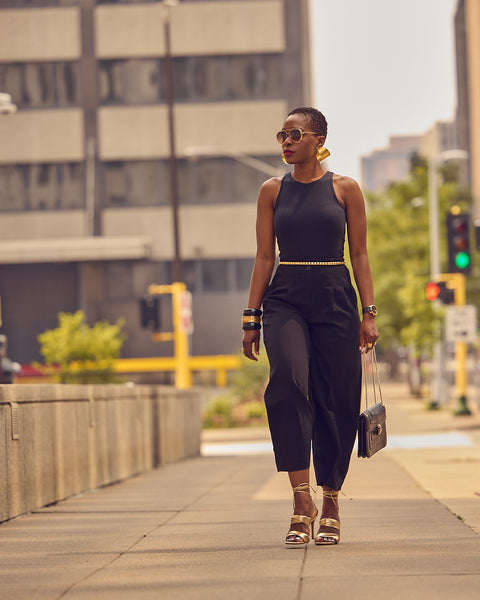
(311, 334)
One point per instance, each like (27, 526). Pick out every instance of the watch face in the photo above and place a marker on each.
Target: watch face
(373, 310)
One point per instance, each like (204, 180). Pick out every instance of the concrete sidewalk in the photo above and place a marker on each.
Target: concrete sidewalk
(214, 527)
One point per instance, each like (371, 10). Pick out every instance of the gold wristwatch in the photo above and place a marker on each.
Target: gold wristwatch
(371, 310)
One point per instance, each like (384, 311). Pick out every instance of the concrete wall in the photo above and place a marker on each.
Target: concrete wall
(136, 30)
(59, 440)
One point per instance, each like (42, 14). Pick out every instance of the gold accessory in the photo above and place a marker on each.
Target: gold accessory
(324, 538)
(371, 309)
(370, 345)
(322, 263)
(284, 159)
(251, 319)
(304, 488)
(296, 134)
(322, 153)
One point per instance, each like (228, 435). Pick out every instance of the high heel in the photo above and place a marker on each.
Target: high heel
(305, 519)
(324, 538)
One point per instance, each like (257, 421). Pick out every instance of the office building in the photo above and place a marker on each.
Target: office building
(467, 43)
(85, 172)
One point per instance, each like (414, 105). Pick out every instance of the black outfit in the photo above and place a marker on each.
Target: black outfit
(311, 334)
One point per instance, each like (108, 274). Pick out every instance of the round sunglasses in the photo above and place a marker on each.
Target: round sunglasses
(296, 134)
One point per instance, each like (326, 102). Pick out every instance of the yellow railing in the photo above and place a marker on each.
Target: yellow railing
(220, 364)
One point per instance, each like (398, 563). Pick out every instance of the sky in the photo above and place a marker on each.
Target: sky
(381, 68)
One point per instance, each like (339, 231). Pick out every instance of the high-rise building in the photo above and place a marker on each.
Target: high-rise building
(467, 42)
(85, 172)
(382, 167)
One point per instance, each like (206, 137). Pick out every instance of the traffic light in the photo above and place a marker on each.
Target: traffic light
(150, 313)
(438, 290)
(458, 238)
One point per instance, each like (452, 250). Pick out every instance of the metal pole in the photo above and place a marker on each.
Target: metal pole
(461, 376)
(438, 387)
(168, 82)
(433, 219)
(183, 375)
(90, 187)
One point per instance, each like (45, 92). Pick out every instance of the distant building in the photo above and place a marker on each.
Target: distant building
(467, 43)
(442, 136)
(85, 212)
(382, 167)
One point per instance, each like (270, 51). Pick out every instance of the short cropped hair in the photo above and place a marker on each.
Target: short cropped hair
(314, 116)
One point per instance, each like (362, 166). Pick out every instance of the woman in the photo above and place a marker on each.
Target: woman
(312, 331)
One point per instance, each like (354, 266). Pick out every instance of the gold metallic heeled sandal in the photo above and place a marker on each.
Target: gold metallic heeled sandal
(296, 519)
(324, 538)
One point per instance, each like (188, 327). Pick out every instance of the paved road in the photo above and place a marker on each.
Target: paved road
(213, 527)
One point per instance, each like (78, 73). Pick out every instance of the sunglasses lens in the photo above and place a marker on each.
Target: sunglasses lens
(295, 134)
(281, 136)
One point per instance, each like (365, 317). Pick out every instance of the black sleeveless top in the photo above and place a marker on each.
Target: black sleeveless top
(309, 220)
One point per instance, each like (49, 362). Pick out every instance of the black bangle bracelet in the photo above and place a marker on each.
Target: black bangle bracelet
(252, 312)
(248, 326)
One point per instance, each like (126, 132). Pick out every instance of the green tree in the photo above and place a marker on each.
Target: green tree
(398, 231)
(85, 354)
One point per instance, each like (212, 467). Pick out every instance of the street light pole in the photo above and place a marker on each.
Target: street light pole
(439, 384)
(173, 177)
(433, 219)
(196, 152)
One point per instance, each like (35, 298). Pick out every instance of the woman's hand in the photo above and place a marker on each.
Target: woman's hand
(368, 334)
(251, 343)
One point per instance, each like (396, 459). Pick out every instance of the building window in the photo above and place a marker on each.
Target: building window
(41, 85)
(41, 187)
(70, 177)
(133, 81)
(114, 182)
(201, 181)
(137, 183)
(119, 280)
(212, 182)
(35, 3)
(195, 79)
(217, 275)
(12, 188)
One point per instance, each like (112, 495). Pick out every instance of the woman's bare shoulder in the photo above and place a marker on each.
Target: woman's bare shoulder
(345, 184)
(269, 190)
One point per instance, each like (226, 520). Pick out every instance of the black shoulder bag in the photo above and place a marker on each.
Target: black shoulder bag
(372, 429)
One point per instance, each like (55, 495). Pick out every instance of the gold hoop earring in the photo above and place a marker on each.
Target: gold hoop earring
(322, 153)
(284, 160)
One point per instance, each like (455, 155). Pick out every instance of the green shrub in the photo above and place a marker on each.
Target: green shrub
(85, 354)
(218, 412)
(255, 409)
(249, 382)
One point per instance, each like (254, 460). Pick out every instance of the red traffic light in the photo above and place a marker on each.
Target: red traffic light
(438, 290)
(432, 291)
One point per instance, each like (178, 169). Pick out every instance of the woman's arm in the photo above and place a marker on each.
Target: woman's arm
(349, 192)
(264, 259)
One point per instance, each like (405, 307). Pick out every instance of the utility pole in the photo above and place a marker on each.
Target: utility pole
(173, 177)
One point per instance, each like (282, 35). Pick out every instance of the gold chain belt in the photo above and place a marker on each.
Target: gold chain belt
(313, 263)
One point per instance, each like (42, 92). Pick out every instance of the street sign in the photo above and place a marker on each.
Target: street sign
(461, 323)
(186, 312)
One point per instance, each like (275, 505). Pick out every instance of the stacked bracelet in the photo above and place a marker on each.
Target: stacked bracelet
(252, 318)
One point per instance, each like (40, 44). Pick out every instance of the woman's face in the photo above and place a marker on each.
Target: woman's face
(305, 149)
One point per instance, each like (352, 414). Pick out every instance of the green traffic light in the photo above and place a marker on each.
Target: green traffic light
(462, 260)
